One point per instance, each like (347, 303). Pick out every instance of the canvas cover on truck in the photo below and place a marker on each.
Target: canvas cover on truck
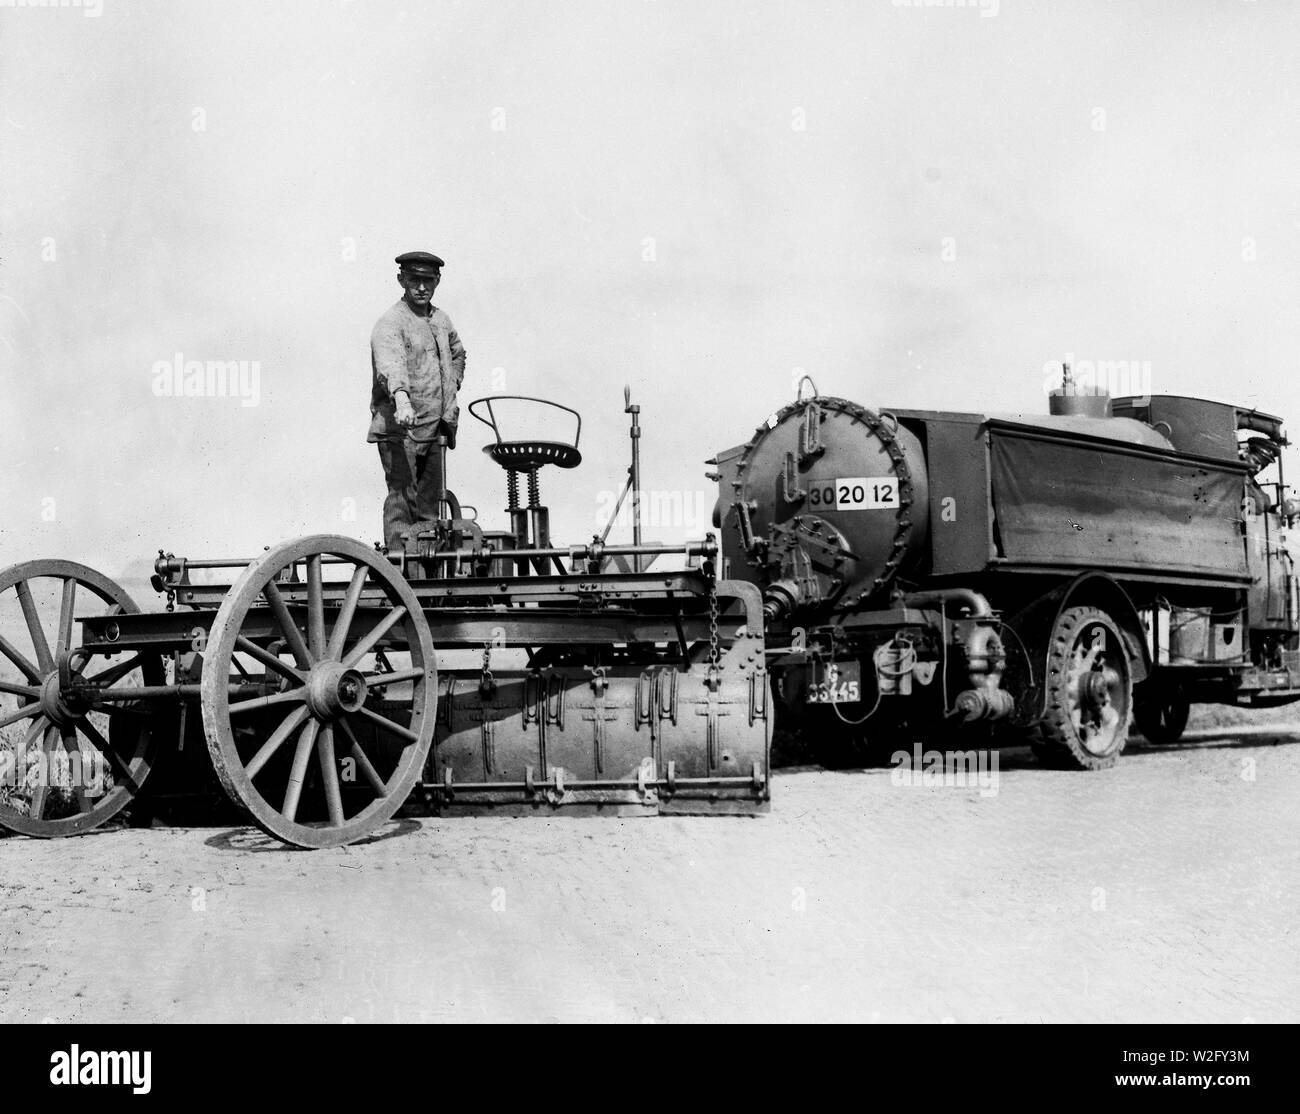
(1074, 503)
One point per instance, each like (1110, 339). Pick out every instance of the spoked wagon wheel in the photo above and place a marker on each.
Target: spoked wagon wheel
(69, 763)
(1161, 711)
(1089, 691)
(331, 655)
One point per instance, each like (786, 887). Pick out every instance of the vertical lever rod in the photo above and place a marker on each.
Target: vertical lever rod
(634, 472)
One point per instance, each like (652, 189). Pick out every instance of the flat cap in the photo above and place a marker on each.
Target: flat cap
(419, 262)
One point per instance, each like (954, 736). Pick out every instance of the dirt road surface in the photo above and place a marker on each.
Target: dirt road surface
(1162, 890)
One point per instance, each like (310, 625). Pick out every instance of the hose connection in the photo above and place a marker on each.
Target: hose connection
(985, 660)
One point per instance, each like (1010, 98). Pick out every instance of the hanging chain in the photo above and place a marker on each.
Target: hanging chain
(713, 624)
(487, 683)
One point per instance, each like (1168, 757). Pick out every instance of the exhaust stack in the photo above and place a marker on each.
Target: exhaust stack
(1076, 400)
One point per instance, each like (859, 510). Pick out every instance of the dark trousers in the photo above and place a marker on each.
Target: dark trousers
(413, 472)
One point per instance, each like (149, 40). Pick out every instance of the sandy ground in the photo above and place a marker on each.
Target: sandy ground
(1163, 890)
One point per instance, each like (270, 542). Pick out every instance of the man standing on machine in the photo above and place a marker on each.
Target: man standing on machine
(418, 363)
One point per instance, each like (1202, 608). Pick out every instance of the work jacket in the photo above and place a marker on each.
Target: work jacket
(422, 356)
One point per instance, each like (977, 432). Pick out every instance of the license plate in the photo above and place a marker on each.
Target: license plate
(835, 683)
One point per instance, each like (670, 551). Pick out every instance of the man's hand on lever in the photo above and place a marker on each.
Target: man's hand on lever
(405, 411)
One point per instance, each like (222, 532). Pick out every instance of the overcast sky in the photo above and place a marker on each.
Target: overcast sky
(919, 207)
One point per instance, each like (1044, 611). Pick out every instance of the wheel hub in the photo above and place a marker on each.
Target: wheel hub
(1094, 682)
(333, 690)
(1095, 690)
(59, 708)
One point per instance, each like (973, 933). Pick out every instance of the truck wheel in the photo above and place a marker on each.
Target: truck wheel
(1089, 692)
(1160, 712)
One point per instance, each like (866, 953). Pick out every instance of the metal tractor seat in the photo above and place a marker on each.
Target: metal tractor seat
(529, 454)
(529, 525)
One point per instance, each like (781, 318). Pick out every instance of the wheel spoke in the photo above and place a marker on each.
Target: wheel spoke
(368, 771)
(77, 770)
(292, 635)
(43, 656)
(35, 733)
(268, 659)
(36, 806)
(121, 771)
(64, 642)
(330, 776)
(22, 713)
(339, 636)
(39, 794)
(362, 648)
(19, 659)
(315, 608)
(377, 680)
(292, 792)
(30, 691)
(288, 726)
(115, 673)
(298, 694)
(385, 724)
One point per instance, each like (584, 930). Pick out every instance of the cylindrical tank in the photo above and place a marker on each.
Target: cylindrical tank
(836, 497)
